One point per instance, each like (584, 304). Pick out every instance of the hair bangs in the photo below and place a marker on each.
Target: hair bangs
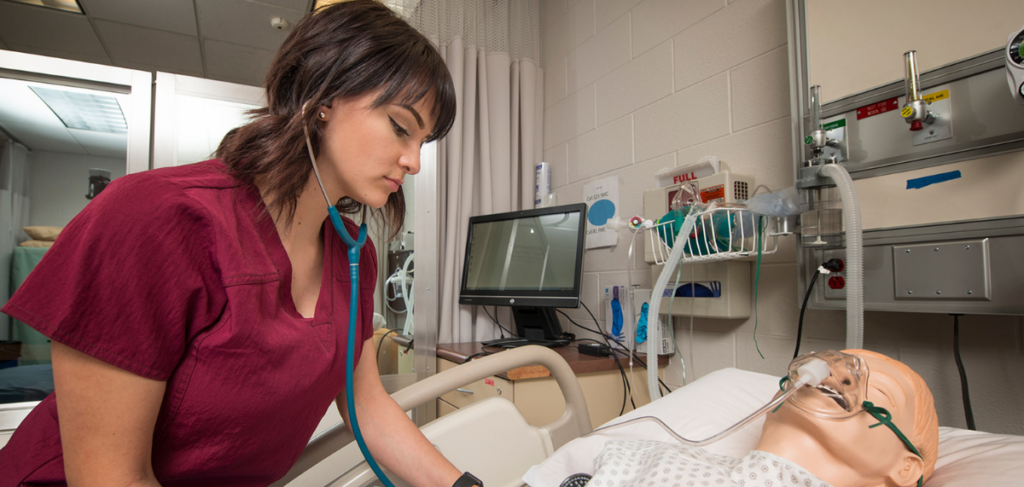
(411, 80)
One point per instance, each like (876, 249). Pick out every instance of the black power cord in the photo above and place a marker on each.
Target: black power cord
(625, 381)
(627, 391)
(832, 265)
(636, 357)
(800, 326)
(968, 412)
(381, 342)
(661, 383)
(495, 320)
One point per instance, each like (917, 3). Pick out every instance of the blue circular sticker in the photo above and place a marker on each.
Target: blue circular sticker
(600, 212)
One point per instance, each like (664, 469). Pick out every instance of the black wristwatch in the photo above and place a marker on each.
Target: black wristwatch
(467, 480)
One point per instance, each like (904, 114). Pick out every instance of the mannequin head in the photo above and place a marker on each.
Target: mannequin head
(850, 452)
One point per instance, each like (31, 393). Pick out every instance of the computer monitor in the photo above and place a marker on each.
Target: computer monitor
(530, 260)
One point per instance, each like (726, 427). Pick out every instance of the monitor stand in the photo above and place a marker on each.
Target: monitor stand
(537, 323)
(535, 326)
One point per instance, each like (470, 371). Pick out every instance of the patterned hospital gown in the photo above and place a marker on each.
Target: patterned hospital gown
(646, 463)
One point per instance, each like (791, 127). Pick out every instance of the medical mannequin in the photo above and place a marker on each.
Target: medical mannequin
(848, 452)
(801, 447)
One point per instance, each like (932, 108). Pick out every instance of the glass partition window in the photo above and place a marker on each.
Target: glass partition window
(201, 123)
(64, 135)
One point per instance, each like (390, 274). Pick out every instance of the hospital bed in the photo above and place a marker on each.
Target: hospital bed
(491, 439)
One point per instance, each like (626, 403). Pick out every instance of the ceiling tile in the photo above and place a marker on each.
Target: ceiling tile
(19, 104)
(244, 22)
(301, 5)
(237, 64)
(101, 143)
(45, 138)
(50, 29)
(172, 16)
(166, 50)
(151, 68)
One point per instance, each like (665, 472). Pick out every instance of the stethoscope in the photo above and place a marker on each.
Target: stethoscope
(354, 248)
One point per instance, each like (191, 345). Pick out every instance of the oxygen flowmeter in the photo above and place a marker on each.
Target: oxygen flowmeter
(1015, 64)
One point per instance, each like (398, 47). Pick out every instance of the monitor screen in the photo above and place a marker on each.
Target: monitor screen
(525, 258)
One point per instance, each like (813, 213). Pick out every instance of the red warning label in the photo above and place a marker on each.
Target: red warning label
(877, 108)
(713, 193)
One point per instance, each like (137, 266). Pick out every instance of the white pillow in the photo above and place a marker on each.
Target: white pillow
(970, 458)
(702, 408)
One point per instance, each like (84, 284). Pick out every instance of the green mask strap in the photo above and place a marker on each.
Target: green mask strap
(782, 387)
(885, 417)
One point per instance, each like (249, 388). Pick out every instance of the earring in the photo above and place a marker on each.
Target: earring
(322, 115)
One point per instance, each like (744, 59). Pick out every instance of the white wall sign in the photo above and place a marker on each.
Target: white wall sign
(602, 199)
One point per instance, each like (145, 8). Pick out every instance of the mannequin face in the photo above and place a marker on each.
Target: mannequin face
(366, 152)
(864, 455)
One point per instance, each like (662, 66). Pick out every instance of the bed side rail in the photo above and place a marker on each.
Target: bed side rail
(574, 422)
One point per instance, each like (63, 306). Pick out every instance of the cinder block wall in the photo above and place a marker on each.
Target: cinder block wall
(634, 86)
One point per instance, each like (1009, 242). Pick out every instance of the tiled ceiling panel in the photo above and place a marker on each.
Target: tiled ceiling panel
(244, 22)
(301, 5)
(102, 144)
(169, 15)
(44, 137)
(230, 40)
(237, 64)
(177, 53)
(44, 28)
(18, 104)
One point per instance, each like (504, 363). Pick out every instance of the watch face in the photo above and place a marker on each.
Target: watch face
(1016, 49)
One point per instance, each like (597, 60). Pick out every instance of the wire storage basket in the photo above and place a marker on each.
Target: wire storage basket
(720, 233)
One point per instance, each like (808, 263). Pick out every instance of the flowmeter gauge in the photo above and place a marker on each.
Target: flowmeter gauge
(1015, 64)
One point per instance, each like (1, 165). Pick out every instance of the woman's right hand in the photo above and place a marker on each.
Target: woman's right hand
(107, 416)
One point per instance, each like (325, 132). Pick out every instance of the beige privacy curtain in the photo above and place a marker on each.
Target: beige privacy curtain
(486, 163)
(14, 214)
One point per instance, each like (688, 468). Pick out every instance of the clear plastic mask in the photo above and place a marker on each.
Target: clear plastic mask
(840, 395)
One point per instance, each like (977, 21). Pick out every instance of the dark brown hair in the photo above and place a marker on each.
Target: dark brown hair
(343, 50)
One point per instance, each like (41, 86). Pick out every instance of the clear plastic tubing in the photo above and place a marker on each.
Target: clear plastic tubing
(811, 373)
(653, 331)
(854, 254)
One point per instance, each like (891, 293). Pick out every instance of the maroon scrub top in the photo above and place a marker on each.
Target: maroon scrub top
(179, 275)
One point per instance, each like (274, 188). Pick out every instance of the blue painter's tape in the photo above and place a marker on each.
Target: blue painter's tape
(934, 179)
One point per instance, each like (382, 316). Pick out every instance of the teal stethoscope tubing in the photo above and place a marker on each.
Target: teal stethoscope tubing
(354, 248)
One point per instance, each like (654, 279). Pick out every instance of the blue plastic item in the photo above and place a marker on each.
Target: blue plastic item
(641, 325)
(616, 313)
(700, 237)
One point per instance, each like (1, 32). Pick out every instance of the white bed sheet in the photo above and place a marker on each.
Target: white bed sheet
(718, 400)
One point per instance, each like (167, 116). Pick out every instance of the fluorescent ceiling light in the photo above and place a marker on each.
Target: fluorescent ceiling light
(85, 111)
(65, 5)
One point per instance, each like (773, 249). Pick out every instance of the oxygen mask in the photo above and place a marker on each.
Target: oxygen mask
(841, 394)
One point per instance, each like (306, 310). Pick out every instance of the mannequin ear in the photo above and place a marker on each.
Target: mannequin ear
(907, 470)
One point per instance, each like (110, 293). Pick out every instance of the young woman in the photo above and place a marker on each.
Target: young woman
(199, 315)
